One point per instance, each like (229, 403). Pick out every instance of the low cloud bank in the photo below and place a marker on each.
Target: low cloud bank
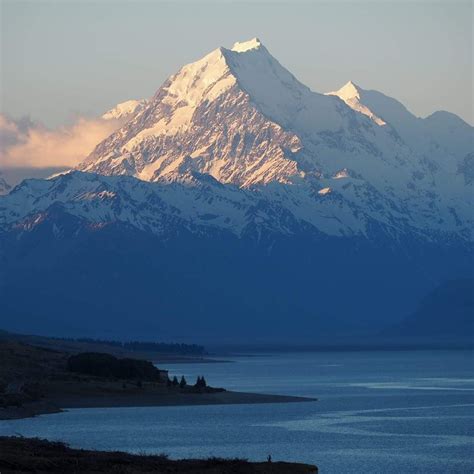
(25, 144)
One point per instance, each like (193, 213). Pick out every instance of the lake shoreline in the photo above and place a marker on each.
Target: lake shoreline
(42, 456)
(60, 403)
(38, 381)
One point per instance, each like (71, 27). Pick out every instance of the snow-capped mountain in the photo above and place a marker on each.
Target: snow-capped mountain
(351, 95)
(443, 138)
(238, 187)
(342, 163)
(242, 118)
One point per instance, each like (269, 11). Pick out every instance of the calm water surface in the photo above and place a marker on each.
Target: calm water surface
(378, 412)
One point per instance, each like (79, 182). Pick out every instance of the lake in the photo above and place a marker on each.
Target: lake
(378, 412)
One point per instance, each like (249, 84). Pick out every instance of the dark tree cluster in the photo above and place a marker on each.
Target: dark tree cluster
(106, 365)
(174, 382)
(166, 348)
(200, 382)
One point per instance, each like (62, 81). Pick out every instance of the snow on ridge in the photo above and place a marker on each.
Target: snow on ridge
(124, 109)
(201, 80)
(243, 46)
(279, 94)
(350, 93)
(280, 208)
(195, 83)
(239, 116)
(341, 174)
(325, 191)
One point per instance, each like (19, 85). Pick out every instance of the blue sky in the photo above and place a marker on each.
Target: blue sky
(69, 58)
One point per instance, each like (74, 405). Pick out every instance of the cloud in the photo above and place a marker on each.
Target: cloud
(24, 143)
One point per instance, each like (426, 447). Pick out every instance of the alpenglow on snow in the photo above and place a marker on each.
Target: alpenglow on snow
(342, 163)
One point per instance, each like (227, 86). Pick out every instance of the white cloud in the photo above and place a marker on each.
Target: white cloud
(26, 144)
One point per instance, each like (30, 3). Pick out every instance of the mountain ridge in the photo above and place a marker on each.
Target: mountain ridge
(242, 118)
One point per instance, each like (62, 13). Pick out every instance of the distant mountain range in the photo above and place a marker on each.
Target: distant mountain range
(238, 202)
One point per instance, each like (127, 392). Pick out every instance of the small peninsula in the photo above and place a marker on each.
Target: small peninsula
(37, 380)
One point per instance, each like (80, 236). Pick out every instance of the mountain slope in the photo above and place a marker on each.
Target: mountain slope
(199, 259)
(447, 312)
(125, 110)
(198, 200)
(199, 282)
(351, 95)
(442, 136)
(237, 113)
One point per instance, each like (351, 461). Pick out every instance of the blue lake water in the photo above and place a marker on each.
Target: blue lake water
(378, 412)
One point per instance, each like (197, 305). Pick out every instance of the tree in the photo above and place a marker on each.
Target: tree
(182, 382)
(175, 381)
(200, 382)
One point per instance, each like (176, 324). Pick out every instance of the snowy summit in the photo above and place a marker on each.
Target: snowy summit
(351, 95)
(242, 47)
(237, 129)
(243, 119)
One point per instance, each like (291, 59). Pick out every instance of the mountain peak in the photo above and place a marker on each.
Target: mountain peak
(242, 47)
(348, 91)
(353, 96)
